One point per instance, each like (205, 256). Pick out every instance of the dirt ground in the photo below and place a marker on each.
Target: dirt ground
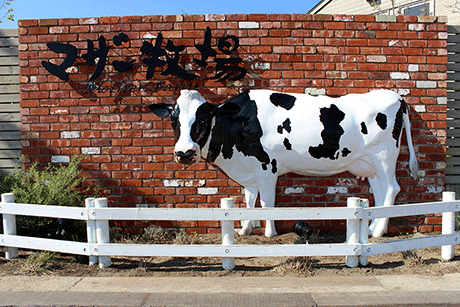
(424, 261)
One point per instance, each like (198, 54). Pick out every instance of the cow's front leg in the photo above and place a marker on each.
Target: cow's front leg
(250, 195)
(267, 200)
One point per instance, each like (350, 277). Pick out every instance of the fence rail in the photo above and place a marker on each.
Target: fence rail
(356, 249)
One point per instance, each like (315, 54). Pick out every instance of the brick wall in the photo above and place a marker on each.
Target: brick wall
(130, 150)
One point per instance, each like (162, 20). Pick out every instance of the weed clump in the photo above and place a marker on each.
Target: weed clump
(302, 265)
(38, 262)
(411, 258)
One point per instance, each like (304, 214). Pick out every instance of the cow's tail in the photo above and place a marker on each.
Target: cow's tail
(413, 164)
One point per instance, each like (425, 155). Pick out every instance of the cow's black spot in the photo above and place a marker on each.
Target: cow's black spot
(201, 127)
(242, 131)
(163, 110)
(287, 144)
(174, 117)
(282, 100)
(286, 126)
(363, 128)
(381, 120)
(345, 152)
(274, 166)
(264, 166)
(330, 118)
(399, 121)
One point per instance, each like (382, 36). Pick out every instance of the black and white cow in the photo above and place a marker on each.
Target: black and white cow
(261, 134)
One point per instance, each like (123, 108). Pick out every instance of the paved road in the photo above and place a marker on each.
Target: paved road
(386, 290)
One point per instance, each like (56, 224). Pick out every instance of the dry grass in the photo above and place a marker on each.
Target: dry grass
(301, 265)
(411, 258)
(152, 235)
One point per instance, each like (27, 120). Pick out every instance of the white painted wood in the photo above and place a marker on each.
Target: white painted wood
(409, 244)
(228, 234)
(363, 232)
(60, 246)
(448, 226)
(353, 227)
(9, 226)
(412, 209)
(102, 232)
(236, 250)
(218, 214)
(74, 213)
(91, 230)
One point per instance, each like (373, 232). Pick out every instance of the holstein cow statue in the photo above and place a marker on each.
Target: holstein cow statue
(259, 135)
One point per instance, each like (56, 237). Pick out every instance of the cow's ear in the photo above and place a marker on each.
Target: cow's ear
(161, 110)
(227, 109)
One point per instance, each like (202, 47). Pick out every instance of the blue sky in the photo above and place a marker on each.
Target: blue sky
(45, 9)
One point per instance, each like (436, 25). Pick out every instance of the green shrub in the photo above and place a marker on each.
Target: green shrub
(6, 182)
(56, 186)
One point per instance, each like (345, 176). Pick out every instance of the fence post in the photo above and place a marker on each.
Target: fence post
(353, 227)
(91, 230)
(228, 234)
(448, 226)
(9, 226)
(363, 231)
(102, 233)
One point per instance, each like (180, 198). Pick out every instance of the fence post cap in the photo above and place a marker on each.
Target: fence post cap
(8, 197)
(227, 203)
(353, 202)
(448, 196)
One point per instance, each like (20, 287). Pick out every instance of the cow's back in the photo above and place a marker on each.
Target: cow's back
(323, 135)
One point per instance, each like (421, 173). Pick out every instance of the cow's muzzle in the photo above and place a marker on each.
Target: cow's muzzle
(188, 157)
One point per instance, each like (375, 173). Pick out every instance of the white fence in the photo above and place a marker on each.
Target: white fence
(356, 249)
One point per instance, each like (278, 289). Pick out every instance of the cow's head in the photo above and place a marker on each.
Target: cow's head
(191, 119)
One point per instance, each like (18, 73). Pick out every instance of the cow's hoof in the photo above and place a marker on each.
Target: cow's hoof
(378, 228)
(269, 233)
(245, 232)
(376, 231)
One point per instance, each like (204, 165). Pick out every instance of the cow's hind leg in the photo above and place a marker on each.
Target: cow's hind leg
(267, 200)
(385, 188)
(379, 198)
(250, 195)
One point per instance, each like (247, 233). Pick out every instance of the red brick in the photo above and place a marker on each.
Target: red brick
(364, 18)
(109, 20)
(321, 17)
(279, 32)
(258, 17)
(334, 25)
(301, 33)
(68, 21)
(237, 17)
(283, 49)
(397, 26)
(38, 30)
(28, 23)
(287, 17)
(79, 29)
(407, 35)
